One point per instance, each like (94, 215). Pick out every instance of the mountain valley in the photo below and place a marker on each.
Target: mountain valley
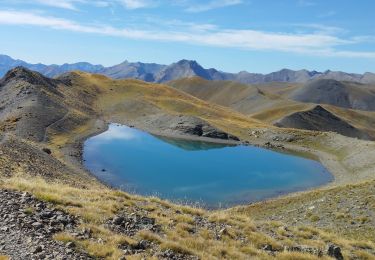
(44, 122)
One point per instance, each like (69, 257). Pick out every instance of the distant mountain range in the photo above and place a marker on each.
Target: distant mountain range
(152, 72)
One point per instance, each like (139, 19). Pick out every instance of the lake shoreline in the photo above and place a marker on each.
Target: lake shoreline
(329, 161)
(218, 141)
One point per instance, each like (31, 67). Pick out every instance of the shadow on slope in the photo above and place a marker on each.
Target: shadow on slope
(320, 119)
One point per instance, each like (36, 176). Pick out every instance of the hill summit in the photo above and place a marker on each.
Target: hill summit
(158, 73)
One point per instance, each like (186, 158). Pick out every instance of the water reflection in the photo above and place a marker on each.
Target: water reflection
(214, 174)
(194, 145)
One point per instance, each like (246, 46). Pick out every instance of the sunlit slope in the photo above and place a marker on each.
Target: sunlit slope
(134, 99)
(267, 102)
(275, 102)
(246, 99)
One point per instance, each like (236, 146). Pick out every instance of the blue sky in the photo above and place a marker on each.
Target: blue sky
(230, 35)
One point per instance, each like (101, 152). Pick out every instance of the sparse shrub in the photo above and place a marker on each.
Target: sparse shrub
(149, 236)
(362, 244)
(295, 256)
(314, 218)
(363, 255)
(176, 247)
(340, 215)
(363, 219)
(64, 237)
(206, 234)
(184, 219)
(29, 211)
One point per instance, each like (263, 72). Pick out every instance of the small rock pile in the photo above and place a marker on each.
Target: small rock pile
(132, 223)
(27, 226)
(171, 255)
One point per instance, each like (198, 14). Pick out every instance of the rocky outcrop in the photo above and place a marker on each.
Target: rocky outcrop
(132, 223)
(31, 77)
(30, 103)
(335, 252)
(27, 227)
(198, 127)
(181, 125)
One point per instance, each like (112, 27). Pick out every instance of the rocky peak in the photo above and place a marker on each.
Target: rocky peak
(319, 108)
(23, 74)
(182, 69)
(191, 63)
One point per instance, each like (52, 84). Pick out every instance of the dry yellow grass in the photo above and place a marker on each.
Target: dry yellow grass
(242, 238)
(167, 99)
(299, 256)
(280, 110)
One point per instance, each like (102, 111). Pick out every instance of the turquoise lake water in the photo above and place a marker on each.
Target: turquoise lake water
(213, 175)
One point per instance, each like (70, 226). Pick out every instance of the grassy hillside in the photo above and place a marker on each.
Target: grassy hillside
(50, 169)
(275, 102)
(246, 99)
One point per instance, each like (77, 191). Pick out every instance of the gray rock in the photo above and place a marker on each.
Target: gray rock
(70, 244)
(335, 251)
(37, 249)
(37, 225)
(29, 236)
(118, 220)
(306, 249)
(267, 248)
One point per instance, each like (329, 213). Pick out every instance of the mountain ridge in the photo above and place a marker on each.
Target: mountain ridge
(158, 73)
(44, 122)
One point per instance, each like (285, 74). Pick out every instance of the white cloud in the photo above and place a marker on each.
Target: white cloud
(212, 5)
(368, 39)
(66, 4)
(101, 3)
(306, 3)
(327, 14)
(321, 28)
(130, 4)
(349, 54)
(136, 4)
(314, 43)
